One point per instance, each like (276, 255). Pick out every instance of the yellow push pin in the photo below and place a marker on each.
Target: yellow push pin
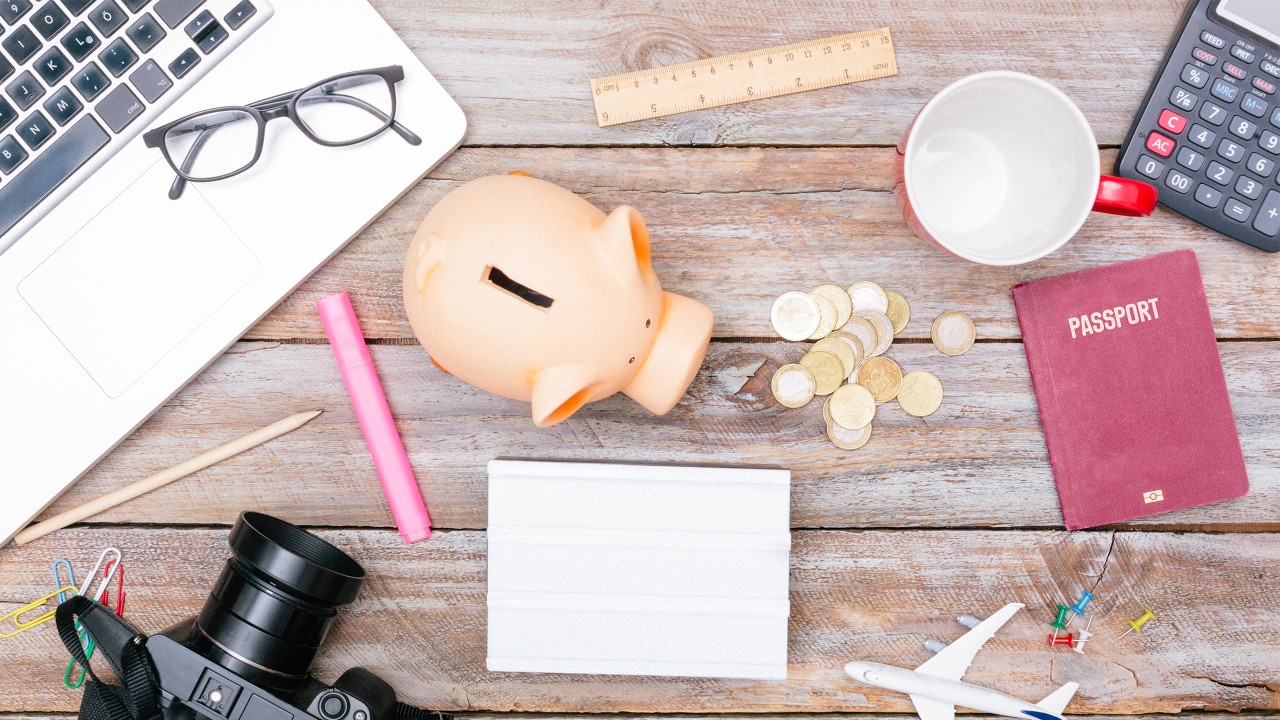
(1135, 626)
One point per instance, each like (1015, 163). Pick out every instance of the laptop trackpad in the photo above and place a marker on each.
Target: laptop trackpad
(123, 291)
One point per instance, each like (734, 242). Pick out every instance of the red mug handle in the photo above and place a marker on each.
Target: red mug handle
(1121, 196)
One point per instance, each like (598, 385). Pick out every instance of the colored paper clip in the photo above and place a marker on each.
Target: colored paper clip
(87, 643)
(21, 626)
(109, 571)
(106, 596)
(57, 577)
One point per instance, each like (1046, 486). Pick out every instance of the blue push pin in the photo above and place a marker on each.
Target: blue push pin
(1081, 604)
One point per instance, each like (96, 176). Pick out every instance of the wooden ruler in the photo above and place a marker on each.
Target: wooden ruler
(783, 70)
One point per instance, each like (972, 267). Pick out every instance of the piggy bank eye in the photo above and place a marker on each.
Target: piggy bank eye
(647, 323)
(500, 280)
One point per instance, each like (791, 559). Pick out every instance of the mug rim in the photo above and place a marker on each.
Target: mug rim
(922, 116)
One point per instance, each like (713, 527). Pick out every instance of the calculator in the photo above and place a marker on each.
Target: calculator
(1208, 134)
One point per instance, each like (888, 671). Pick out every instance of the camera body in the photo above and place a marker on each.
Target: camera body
(248, 654)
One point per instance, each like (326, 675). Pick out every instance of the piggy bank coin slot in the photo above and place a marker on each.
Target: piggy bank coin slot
(500, 280)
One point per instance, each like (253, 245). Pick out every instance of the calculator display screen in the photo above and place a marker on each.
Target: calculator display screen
(1259, 16)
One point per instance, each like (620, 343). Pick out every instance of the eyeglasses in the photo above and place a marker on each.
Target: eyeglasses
(222, 142)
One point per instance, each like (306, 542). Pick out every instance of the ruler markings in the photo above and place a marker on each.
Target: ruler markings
(743, 77)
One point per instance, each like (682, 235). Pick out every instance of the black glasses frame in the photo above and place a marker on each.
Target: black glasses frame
(280, 106)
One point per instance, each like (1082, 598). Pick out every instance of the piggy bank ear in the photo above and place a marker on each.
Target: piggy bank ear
(559, 391)
(428, 253)
(625, 241)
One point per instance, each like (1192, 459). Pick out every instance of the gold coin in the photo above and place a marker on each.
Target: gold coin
(899, 311)
(882, 377)
(842, 350)
(827, 370)
(953, 333)
(847, 439)
(920, 393)
(852, 341)
(883, 326)
(867, 294)
(826, 410)
(793, 386)
(852, 407)
(826, 317)
(839, 298)
(866, 332)
(795, 316)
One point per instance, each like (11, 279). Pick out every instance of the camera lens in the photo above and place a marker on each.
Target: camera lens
(274, 602)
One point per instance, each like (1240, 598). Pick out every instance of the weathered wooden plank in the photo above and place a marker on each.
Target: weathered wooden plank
(980, 461)
(874, 595)
(712, 716)
(736, 227)
(521, 69)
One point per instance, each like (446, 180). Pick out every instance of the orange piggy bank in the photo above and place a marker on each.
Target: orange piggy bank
(526, 290)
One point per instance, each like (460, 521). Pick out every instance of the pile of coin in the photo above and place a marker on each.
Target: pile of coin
(853, 329)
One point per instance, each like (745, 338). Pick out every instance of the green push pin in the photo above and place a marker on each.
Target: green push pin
(1061, 622)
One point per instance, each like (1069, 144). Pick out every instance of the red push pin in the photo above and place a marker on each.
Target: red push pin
(1067, 640)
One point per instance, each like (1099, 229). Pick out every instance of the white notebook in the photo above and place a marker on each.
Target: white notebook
(638, 570)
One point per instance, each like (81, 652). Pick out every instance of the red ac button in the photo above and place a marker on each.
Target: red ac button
(1172, 121)
(1160, 144)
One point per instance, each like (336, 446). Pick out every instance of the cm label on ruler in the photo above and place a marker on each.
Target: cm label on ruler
(753, 75)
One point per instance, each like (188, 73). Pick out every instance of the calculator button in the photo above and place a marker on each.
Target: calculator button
(1190, 159)
(1179, 182)
(1220, 173)
(1264, 85)
(1162, 145)
(1275, 117)
(1209, 38)
(1204, 56)
(1150, 167)
(1183, 98)
(1253, 105)
(1172, 121)
(1224, 90)
(1230, 150)
(1270, 68)
(1203, 136)
(1261, 165)
(1242, 54)
(1212, 113)
(1270, 142)
(1234, 70)
(1243, 128)
(1236, 210)
(1207, 196)
(1248, 187)
(1194, 75)
(1268, 220)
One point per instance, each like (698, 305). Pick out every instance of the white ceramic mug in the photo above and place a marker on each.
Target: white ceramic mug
(1001, 168)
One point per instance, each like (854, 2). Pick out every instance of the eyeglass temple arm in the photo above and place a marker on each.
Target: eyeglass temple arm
(401, 130)
(179, 182)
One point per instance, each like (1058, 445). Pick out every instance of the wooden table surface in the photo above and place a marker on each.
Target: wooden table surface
(956, 513)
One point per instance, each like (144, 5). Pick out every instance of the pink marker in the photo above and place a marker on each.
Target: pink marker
(370, 402)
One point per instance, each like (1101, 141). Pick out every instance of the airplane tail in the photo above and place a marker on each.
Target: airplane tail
(1057, 700)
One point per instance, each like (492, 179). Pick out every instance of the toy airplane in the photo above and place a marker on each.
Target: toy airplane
(936, 689)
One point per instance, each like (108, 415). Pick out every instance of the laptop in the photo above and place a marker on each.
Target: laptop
(112, 294)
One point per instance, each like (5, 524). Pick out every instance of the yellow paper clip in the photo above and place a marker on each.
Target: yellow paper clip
(21, 626)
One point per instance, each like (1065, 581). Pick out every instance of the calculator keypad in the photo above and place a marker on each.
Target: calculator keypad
(1214, 146)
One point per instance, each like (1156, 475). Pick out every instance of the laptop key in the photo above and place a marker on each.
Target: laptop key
(240, 14)
(145, 32)
(22, 44)
(173, 12)
(35, 130)
(90, 81)
(25, 90)
(76, 6)
(63, 157)
(62, 106)
(7, 114)
(13, 10)
(11, 154)
(107, 17)
(119, 108)
(80, 41)
(49, 20)
(198, 24)
(212, 38)
(151, 81)
(53, 66)
(118, 57)
(6, 68)
(182, 64)
(135, 5)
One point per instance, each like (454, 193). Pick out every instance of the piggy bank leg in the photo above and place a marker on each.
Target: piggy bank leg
(679, 348)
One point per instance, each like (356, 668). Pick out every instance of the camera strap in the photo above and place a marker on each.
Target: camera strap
(126, 652)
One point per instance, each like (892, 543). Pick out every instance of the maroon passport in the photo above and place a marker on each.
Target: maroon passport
(1127, 375)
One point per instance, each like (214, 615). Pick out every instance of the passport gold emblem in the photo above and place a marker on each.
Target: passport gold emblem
(1153, 496)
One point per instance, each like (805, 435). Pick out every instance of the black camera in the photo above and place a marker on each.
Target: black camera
(248, 654)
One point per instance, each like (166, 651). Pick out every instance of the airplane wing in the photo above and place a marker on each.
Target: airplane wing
(955, 659)
(930, 709)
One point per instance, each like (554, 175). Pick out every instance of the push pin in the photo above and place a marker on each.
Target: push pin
(1081, 604)
(1084, 637)
(1061, 622)
(1135, 625)
(1067, 640)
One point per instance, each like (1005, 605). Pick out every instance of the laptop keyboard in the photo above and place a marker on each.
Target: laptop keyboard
(77, 76)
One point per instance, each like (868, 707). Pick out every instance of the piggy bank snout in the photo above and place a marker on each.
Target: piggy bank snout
(684, 332)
